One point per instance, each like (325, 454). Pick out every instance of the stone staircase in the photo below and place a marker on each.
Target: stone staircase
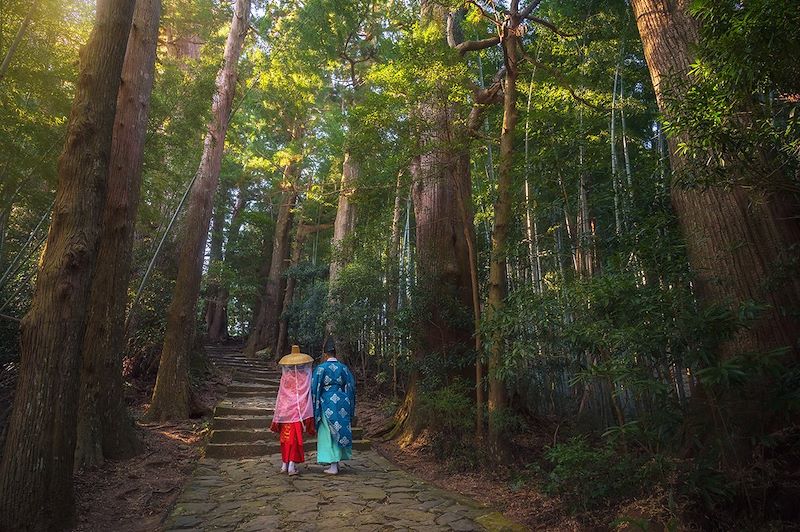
(241, 421)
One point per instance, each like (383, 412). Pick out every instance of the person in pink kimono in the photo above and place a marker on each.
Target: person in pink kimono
(294, 411)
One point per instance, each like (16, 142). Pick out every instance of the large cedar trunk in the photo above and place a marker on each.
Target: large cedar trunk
(737, 238)
(171, 395)
(502, 217)
(342, 229)
(265, 330)
(443, 288)
(443, 275)
(36, 469)
(105, 430)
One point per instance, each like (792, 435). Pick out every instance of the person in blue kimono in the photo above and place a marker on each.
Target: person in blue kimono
(334, 394)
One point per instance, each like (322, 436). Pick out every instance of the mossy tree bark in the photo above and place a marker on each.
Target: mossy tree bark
(343, 226)
(438, 175)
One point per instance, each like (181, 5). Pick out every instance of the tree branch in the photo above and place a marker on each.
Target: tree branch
(454, 38)
(483, 98)
(550, 26)
(484, 14)
(529, 8)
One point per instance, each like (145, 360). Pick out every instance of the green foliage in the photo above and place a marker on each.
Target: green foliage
(356, 299)
(449, 414)
(306, 313)
(588, 477)
(737, 118)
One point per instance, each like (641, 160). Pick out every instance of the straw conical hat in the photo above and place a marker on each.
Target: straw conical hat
(295, 358)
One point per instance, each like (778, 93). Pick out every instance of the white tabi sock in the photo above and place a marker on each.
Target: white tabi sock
(292, 468)
(333, 469)
(283, 467)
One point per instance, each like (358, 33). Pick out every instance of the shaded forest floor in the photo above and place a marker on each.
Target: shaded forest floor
(137, 494)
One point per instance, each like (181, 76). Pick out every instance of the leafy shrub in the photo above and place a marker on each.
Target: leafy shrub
(588, 477)
(449, 413)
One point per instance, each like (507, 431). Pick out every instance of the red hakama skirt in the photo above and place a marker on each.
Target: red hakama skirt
(291, 438)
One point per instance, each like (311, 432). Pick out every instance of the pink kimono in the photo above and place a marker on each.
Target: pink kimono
(294, 411)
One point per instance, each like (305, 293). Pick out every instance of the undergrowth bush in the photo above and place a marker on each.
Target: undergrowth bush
(449, 413)
(588, 476)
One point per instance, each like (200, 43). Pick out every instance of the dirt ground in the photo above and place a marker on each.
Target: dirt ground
(136, 495)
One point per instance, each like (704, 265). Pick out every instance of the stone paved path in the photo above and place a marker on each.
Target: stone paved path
(370, 493)
(237, 486)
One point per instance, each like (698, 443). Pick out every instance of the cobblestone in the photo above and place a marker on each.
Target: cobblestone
(370, 494)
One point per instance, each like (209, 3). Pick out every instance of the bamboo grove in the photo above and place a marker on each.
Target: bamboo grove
(510, 215)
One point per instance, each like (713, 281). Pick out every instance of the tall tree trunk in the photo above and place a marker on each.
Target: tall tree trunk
(737, 238)
(502, 216)
(105, 430)
(36, 469)
(443, 272)
(216, 326)
(442, 254)
(614, 158)
(218, 322)
(294, 260)
(265, 330)
(171, 395)
(342, 229)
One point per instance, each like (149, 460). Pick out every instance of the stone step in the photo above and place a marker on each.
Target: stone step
(224, 349)
(261, 393)
(234, 357)
(244, 366)
(237, 410)
(237, 450)
(241, 359)
(242, 378)
(224, 423)
(251, 372)
(261, 435)
(247, 366)
(242, 422)
(242, 435)
(240, 450)
(251, 429)
(250, 387)
(265, 373)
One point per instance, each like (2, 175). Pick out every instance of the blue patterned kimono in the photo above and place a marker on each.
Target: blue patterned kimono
(334, 394)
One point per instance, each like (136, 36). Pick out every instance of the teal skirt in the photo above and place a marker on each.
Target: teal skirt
(328, 451)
